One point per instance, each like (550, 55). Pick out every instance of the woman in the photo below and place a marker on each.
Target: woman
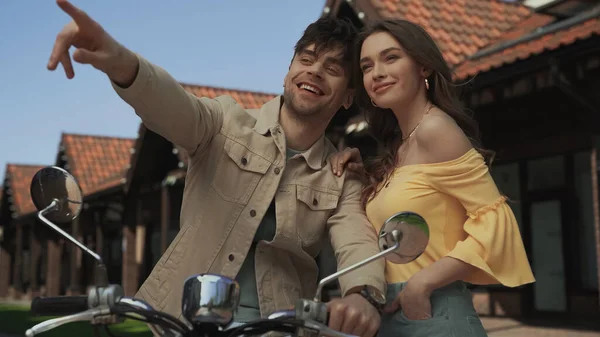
(432, 165)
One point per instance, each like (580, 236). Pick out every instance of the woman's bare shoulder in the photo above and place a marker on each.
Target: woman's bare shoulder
(440, 139)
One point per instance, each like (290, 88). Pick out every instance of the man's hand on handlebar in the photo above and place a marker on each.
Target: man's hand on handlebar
(353, 315)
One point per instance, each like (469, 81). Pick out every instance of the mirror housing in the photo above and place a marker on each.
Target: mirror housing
(412, 234)
(56, 184)
(402, 238)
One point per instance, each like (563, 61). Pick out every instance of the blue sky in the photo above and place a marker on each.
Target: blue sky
(234, 44)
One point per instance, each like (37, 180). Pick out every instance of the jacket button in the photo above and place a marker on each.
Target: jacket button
(231, 257)
(277, 170)
(244, 161)
(253, 213)
(315, 202)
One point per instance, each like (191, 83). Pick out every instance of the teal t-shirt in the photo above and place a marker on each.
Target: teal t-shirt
(248, 309)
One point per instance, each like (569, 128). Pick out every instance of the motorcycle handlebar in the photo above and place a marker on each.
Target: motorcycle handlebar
(313, 316)
(58, 306)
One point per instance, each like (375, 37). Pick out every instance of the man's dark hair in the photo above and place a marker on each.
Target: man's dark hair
(329, 33)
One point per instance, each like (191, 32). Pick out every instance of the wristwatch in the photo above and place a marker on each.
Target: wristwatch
(374, 297)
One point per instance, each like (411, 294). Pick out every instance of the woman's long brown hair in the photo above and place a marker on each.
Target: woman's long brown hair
(383, 125)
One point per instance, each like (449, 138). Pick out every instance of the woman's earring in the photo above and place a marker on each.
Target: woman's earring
(426, 84)
(375, 105)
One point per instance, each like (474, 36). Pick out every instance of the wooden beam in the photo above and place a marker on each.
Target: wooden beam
(35, 253)
(332, 7)
(75, 260)
(131, 269)
(18, 266)
(369, 12)
(543, 147)
(596, 204)
(53, 271)
(5, 269)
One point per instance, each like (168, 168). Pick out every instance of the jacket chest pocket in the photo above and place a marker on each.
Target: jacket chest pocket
(238, 172)
(313, 209)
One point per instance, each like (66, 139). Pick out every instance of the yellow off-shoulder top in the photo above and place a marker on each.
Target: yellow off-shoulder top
(468, 219)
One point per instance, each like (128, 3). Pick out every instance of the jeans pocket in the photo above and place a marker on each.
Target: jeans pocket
(400, 316)
(398, 325)
(439, 312)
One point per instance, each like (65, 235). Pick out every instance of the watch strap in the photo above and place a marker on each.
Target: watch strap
(364, 292)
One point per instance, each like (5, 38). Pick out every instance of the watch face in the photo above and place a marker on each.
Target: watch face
(376, 295)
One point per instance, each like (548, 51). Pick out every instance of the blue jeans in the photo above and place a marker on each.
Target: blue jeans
(453, 315)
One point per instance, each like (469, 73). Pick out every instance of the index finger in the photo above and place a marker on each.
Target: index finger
(340, 161)
(333, 161)
(79, 16)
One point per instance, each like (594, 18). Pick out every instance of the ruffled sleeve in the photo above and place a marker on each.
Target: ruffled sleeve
(493, 243)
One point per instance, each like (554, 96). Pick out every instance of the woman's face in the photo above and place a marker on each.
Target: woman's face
(390, 76)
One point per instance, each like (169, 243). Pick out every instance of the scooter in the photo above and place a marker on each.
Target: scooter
(209, 300)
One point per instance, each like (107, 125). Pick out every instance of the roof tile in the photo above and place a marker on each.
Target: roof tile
(18, 180)
(526, 49)
(463, 27)
(456, 25)
(97, 162)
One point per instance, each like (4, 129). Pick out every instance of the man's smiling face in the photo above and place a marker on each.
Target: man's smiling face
(317, 84)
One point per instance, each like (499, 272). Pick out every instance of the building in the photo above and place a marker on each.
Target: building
(36, 261)
(22, 270)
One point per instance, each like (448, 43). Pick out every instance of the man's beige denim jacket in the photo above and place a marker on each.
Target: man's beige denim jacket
(237, 166)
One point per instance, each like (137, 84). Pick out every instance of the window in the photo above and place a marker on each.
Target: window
(584, 223)
(545, 173)
(508, 180)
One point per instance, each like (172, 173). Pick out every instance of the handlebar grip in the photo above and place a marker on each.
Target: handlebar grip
(58, 306)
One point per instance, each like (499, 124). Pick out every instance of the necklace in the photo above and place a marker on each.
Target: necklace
(416, 126)
(411, 133)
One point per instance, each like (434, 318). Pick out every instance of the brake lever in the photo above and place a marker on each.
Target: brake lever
(283, 314)
(157, 329)
(88, 315)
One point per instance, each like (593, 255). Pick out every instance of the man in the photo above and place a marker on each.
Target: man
(259, 196)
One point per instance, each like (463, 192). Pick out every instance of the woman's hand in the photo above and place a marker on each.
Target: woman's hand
(414, 301)
(349, 159)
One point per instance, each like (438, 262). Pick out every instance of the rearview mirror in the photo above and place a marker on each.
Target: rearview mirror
(56, 184)
(407, 230)
(402, 238)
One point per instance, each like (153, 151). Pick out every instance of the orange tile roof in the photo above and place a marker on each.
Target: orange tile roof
(97, 162)
(526, 49)
(464, 27)
(460, 27)
(18, 180)
(247, 99)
